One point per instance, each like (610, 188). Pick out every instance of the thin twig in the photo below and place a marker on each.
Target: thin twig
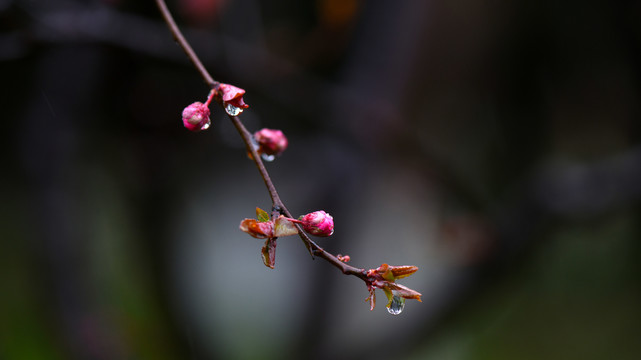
(180, 39)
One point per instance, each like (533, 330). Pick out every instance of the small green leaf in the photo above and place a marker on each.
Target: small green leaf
(262, 215)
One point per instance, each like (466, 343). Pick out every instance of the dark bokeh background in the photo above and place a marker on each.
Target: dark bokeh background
(496, 145)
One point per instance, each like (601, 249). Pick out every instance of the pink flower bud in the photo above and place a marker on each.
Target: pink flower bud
(318, 223)
(270, 142)
(196, 117)
(232, 95)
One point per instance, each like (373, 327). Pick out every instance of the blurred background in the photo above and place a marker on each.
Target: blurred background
(494, 144)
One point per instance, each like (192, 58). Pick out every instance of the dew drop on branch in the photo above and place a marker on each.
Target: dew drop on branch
(397, 305)
(232, 110)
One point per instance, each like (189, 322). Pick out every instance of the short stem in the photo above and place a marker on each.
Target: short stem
(295, 221)
(210, 97)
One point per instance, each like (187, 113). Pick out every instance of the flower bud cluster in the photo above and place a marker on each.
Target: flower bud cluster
(269, 142)
(196, 116)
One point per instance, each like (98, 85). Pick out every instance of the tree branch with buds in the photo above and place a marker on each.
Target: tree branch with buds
(266, 144)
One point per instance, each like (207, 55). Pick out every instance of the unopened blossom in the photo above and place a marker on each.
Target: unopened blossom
(232, 95)
(270, 142)
(318, 223)
(196, 117)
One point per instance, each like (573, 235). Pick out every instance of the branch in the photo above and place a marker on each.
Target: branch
(383, 277)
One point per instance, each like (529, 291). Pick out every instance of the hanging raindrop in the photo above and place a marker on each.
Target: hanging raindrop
(268, 158)
(205, 126)
(232, 110)
(397, 305)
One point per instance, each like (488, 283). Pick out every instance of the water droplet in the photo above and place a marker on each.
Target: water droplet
(268, 158)
(397, 305)
(205, 125)
(232, 110)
